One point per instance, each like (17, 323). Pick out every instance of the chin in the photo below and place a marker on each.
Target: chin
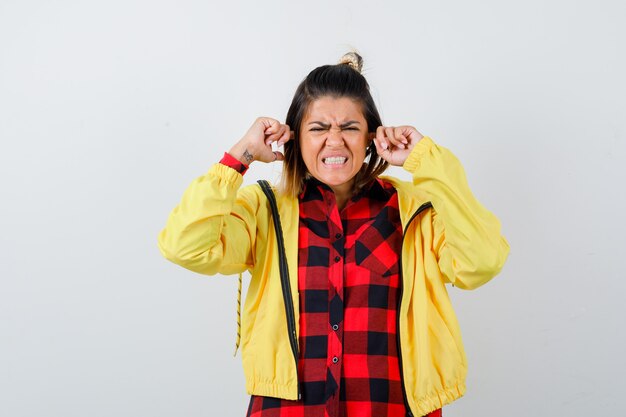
(336, 182)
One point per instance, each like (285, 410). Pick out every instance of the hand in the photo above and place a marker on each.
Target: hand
(394, 144)
(256, 144)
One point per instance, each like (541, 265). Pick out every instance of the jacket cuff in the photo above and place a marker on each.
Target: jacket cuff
(226, 175)
(414, 159)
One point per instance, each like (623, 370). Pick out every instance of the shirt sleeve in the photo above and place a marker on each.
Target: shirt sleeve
(234, 163)
(467, 237)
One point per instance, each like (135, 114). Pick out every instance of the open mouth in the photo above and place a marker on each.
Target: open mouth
(335, 160)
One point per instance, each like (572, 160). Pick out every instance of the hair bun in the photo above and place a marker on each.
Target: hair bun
(354, 60)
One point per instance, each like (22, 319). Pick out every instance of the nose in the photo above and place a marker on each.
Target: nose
(335, 137)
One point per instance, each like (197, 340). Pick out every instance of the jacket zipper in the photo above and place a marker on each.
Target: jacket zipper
(398, 342)
(284, 277)
(289, 309)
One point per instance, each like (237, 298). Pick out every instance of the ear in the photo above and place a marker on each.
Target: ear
(371, 135)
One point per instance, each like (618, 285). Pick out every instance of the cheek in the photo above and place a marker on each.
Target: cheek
(308, 161)
(361, 148)
(307, 153)
(310, 146)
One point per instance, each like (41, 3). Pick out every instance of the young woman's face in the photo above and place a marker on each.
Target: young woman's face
(333, 141)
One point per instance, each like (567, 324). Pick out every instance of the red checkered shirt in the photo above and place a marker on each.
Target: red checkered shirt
(348, 284)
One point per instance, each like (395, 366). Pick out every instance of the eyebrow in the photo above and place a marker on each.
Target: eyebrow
(344, 125)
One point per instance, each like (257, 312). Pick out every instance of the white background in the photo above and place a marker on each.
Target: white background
(109, 109)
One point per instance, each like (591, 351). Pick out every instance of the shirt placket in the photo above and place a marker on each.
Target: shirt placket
(335, 307)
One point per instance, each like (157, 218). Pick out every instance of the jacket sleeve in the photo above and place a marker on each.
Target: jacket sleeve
(466, 236)
(212, 230)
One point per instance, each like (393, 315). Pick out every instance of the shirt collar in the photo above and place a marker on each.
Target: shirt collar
(313, 189)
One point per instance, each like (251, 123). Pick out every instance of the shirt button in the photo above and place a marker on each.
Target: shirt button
(335, 326)
(337, 258)
(338, 236)
(335, 359)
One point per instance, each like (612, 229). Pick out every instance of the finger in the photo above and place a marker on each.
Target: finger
(380, 137)
(391, 136)
(414, 134)
(271, 125)
(384, 153)
(389, 133)
(286, 136)
(272, 156)
(378, 146)
(273, 137)
(401, 134)
(276, 135)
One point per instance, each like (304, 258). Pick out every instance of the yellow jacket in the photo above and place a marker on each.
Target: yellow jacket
(449, 237)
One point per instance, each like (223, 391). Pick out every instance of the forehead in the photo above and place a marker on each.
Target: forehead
(334, 109)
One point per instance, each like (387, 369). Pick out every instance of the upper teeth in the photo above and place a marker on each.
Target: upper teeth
(335, 160)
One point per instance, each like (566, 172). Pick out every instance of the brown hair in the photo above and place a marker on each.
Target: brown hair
(341, 80)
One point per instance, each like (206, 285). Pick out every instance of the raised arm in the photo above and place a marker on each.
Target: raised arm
(467, 237)
(213, 228)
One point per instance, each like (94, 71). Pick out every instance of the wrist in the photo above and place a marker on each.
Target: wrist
(243, 154)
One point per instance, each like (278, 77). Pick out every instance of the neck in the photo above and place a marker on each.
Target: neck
(342, 193)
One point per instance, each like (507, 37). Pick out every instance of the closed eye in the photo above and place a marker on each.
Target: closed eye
(318, 129)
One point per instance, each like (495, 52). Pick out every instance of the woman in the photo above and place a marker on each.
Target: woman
(355, 319)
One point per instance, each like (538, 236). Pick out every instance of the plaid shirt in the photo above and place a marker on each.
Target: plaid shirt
(348, 285)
